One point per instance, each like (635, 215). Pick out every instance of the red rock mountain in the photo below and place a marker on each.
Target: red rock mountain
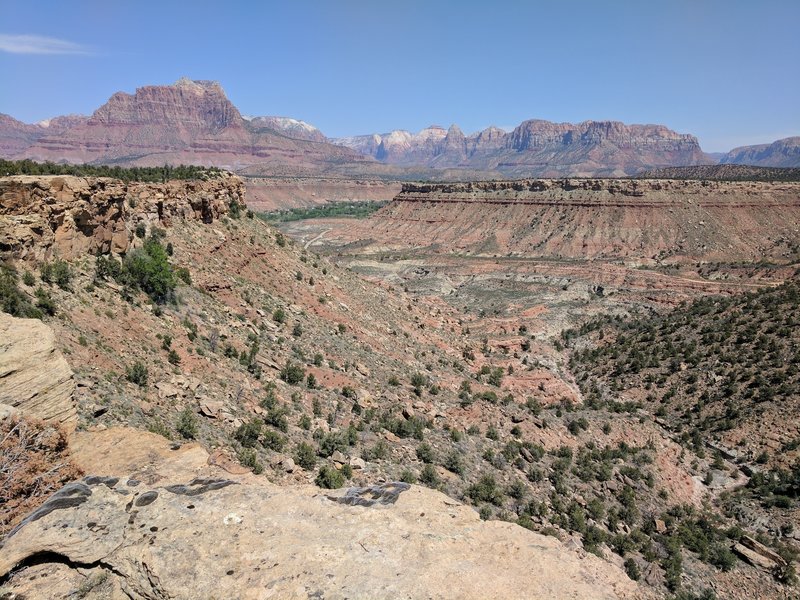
(781, 153)
(16, 136)
(190, 122)
(538, 148)
(193, 122)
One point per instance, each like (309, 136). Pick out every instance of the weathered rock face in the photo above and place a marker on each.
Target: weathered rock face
(42, 216)
(190, 122)
(781, 153)
(595, 219)
(34, 377)
(16, 136)
(538, 148)
(211, 534)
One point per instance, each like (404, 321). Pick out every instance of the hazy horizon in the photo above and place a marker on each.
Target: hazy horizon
(723, 71)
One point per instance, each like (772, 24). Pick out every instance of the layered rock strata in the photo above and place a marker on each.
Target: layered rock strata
(35, 380)
(65, 216)
(596, 219)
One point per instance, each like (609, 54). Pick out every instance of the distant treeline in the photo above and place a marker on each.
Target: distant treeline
(356, 210)
(146, 174)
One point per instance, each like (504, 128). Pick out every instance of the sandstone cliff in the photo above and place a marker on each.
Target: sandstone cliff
(70, 216)
(538, 148)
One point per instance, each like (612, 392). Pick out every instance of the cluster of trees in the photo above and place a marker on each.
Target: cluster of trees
(145, 174)
(356, 210)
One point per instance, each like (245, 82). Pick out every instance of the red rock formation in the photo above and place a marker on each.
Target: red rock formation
(191, 122)
(539, 148)
(645, 220)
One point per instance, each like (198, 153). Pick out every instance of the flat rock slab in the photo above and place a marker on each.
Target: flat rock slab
(218, 538)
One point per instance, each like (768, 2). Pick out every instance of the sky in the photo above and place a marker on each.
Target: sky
(727, 71)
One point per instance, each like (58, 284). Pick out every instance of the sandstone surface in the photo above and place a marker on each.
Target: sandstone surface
(34, 377)
(197, 533)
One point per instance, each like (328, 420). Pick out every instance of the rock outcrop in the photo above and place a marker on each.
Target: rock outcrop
(202, 533)
(43, 216)
(34, 377)
(781, 153)
(595, 219)
(538, 148)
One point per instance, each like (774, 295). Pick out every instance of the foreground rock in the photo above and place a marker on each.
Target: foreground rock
(36, 380)
(211, 534)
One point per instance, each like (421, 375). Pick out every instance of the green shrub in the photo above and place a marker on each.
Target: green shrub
(248, 433)
(425, 453)
(57, 272)
(408, 476)
(632, 569)
(28, 279)
(305, 456)
(137, 373)
(485, 490)
(45, 301)
(329, 478)
(292, 373)
(187, 424)
(273, 440)
(249, 458)
(279, 316)
(148, 269)
(184, 275)
(429, 477)
(454, 463)
(13, 300)
(173, 357)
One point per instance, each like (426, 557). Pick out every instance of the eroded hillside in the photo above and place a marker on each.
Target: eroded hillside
(222, 331)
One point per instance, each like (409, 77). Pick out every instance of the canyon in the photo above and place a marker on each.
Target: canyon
(420, 358)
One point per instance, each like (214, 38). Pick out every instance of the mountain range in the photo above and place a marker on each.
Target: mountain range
(193, 122)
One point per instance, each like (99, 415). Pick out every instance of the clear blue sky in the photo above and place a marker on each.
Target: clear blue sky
(727, 71)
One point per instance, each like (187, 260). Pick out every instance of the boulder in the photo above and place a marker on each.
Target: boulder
(36, 379)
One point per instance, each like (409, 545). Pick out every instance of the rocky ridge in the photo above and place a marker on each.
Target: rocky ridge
(68, 216)
(651, 220)
(780, 153)
(538, 148)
